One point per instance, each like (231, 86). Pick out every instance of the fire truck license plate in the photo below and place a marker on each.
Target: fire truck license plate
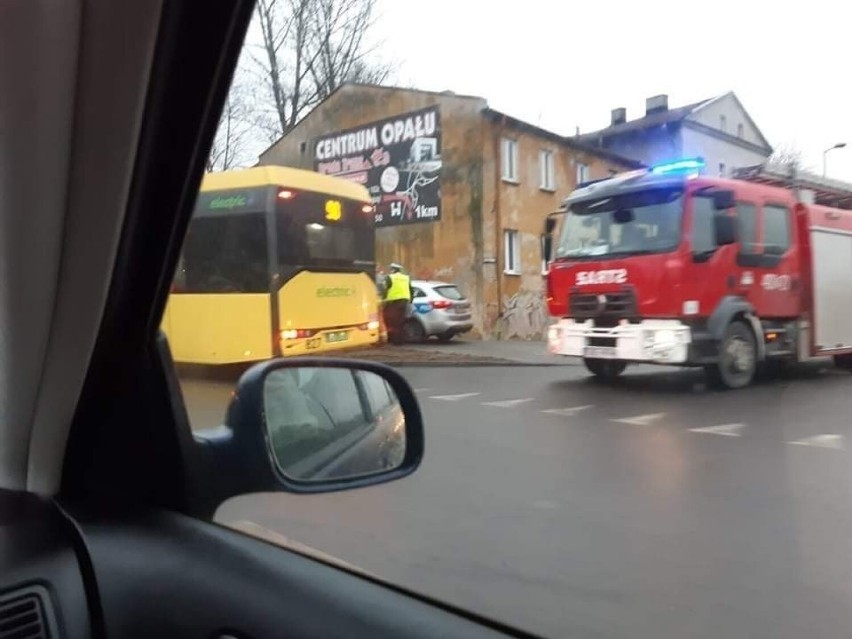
(607, 352)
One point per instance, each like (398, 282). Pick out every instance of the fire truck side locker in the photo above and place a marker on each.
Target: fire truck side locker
(831, 250)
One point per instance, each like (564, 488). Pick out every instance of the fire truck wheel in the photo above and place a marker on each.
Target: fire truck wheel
(605, 369)
(843, 361)
(737, 358)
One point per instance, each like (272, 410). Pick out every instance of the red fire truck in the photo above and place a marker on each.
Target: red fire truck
(668, 266)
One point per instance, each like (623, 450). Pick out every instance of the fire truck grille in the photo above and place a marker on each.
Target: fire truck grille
(616, 305)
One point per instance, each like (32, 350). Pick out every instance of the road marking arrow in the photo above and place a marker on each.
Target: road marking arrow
(822, 441)
(508, 403)
(640, 420)
(453, 398)
(727, 430)
(567, 412)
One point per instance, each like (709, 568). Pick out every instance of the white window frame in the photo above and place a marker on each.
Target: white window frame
(509, 160)
(511, 252)
(547, 170)
(582, 173)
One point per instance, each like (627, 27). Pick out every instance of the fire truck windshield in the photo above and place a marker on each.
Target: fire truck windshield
(646, 221)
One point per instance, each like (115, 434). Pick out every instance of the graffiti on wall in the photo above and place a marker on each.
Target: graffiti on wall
(524, 316)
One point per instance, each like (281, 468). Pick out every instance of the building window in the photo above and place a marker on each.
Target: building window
(722, 169)
(723, 123)
(548, 177)
(511, 252)
(509, 156)
(582, 173)
(740, 130)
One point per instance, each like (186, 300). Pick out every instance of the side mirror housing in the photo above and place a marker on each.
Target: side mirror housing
(725, 229)
(723, 199)
(313, 425)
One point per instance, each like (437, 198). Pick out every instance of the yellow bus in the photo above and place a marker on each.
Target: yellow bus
(276, 262)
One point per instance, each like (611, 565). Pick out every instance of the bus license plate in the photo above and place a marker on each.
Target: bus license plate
(337, 336)
(605, 352)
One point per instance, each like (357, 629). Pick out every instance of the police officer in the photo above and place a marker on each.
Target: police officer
(398, 294)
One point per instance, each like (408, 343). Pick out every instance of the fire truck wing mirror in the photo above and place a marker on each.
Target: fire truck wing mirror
(550, 221)
(546, 248)
(723, 199)
(725, 228)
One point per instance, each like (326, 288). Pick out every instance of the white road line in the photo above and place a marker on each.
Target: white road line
(726, 430)
(828, 440)
(508, 403)
(454, 398)
(567, 412)
(640, 420)
(421, 390)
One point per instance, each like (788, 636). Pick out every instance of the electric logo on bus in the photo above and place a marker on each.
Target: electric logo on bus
(231, 202)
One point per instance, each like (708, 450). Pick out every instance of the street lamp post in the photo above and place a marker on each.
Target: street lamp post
(839, 145)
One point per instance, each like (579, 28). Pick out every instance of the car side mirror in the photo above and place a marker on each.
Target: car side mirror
(311, 425)
(723, 199)
(725, 229)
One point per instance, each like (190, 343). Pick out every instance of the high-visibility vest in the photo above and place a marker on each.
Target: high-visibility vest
(400, 287)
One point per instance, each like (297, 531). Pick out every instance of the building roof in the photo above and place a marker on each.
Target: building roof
(372, 87)
(646, 122)
(489, 113)
(668, 116)
(571, 142)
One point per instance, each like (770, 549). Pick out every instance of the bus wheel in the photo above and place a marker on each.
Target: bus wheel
(413, 332)
(605, 369)
(737, 358)
(843, 361)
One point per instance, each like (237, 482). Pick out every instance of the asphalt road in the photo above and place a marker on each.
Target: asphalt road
(569, 508)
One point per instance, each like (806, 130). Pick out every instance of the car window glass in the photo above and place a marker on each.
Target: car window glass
(450, 292)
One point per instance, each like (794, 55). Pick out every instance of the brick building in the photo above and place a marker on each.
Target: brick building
(461, 190)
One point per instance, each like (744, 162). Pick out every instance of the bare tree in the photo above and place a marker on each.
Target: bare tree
(306, 50)
(236, 143)
(787, 158)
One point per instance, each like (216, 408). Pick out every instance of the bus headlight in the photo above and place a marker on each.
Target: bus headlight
(373, 325)
(289, 333)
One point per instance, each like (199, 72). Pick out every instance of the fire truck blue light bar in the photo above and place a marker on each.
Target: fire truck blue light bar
(689, 165)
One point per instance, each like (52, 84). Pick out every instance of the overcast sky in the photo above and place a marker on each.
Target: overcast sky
(565, 64)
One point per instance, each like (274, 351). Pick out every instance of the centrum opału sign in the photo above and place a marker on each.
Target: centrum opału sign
(398, 159)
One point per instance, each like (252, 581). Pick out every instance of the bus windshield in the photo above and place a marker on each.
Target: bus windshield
(646, 221)
(317, 230)
(227, 248)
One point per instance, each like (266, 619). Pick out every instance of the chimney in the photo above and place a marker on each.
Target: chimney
(657, 104)
(618, 116)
